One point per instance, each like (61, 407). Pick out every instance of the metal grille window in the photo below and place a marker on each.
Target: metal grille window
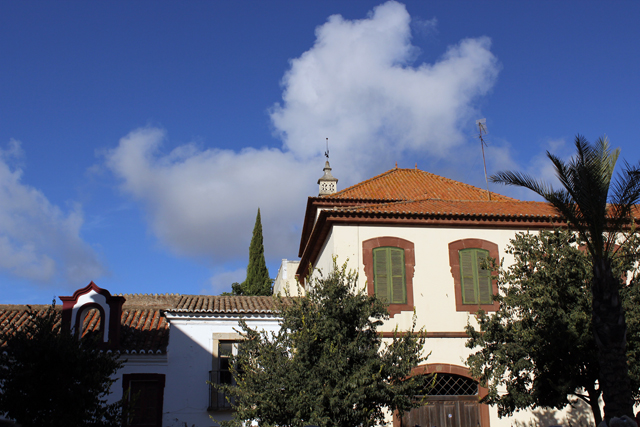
(453, 385)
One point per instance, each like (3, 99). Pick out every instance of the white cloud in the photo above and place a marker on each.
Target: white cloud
(358, 86)
(204, 202)
(424, 27)
(542, 168)
(499, 158)
(38, 241)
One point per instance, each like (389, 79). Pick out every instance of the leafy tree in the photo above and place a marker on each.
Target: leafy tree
(257, 281)
(599, 210)
(50, 378)
(539, 345)
(327, 365)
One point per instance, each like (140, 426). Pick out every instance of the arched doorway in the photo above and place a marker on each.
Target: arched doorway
(452, 402)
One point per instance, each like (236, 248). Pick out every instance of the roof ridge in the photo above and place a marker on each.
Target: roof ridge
(148, 295)
(35, 307)
(196, 296)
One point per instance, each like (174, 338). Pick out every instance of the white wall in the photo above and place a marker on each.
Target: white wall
(286, 283)
(186, 366)
(433, 285)
(434, 296)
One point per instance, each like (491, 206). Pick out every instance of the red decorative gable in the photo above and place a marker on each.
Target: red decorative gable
(75, 308)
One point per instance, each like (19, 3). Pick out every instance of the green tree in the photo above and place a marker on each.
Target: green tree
(539, 345)
(50, 378)
(599, 210)
(327, 365)
(257, 281)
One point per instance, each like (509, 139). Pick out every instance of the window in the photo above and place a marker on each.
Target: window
(144, 398)
(476, 280)
(454, 399)
(225, 351)
(453, 385)
(474, 286)
(221, 373)
(389, 275)
(389, 265)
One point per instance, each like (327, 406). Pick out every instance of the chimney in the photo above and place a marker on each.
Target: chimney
(328, 184)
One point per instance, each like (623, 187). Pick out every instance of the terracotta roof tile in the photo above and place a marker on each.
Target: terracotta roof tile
(412, 184)
(143, 335)
(224, 304)
(161, 301)
(144, 326)
(460, 208)
(16, 316)
(142, 330)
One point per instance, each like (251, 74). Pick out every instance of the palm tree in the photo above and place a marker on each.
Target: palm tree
(601, 211)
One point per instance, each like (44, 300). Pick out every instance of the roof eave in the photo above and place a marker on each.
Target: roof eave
(327, 219)
(315, 203)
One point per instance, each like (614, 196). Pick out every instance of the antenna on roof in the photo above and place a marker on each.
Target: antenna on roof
(482, 127)
(326, 153)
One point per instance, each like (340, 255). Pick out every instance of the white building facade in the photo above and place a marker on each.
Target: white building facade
(418, 240)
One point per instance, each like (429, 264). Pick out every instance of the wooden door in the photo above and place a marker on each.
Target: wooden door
(453, 412)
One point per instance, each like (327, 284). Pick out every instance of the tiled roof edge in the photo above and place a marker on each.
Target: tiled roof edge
(208, 310)
(355, 212)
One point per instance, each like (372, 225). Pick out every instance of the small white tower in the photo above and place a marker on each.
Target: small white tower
(328, 184)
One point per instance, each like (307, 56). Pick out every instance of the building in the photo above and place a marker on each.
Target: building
(418, 240)
(172, 344)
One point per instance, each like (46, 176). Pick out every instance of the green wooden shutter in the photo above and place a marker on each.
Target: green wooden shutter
(381, 273)
(398, 289)
(485, 290)
(467, 276)
(476, 280)
(389, 275)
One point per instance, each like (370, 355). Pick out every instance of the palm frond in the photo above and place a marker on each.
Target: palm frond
(589, 201)
(519, 179)
(625, 195)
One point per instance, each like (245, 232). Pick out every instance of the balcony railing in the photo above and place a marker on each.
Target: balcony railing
(218, 400)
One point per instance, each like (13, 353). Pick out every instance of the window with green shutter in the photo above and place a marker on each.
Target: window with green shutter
(475, 280)
(389, 275)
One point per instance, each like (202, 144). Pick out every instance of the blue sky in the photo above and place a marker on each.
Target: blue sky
(139, 138)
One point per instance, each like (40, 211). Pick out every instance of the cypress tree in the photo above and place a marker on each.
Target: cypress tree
(257, 281)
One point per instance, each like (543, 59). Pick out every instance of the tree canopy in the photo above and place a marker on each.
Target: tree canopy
(327, 365)
(258, 281)
(539, 345)
(50, 378)
(600, 209)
